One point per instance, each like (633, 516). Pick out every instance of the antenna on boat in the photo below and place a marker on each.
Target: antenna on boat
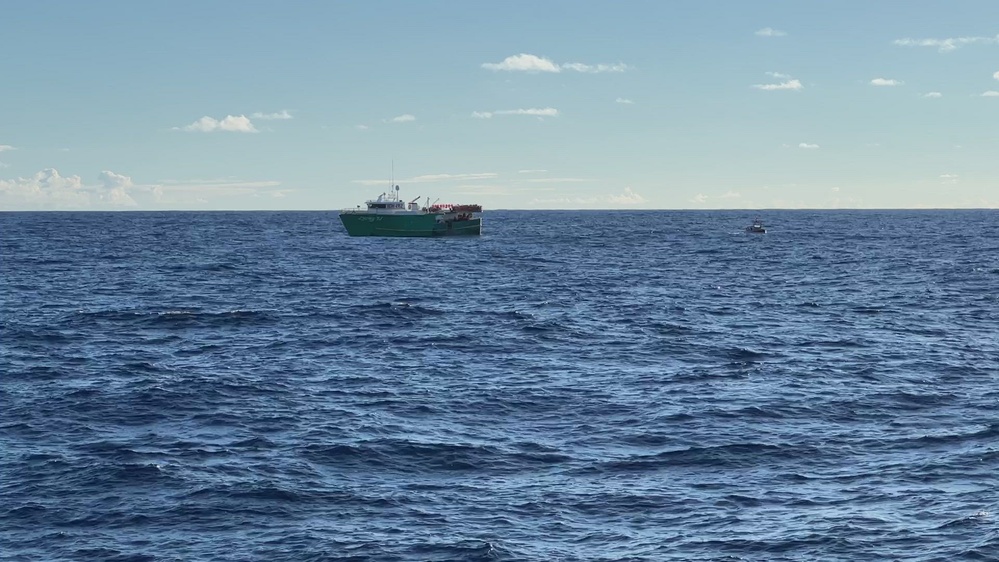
(393, 188)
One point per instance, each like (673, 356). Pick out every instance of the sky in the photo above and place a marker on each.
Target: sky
(320, 105)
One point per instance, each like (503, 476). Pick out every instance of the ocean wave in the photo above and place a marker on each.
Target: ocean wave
(179, 319)
(736, 455)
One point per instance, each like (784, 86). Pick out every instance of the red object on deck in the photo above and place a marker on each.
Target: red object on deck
(452, 208)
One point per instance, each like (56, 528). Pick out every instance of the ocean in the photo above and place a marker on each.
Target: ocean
(601, 385)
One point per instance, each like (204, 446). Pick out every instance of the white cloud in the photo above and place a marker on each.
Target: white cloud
(770, 32)
(886, 82)
(50, 178)
(283, 114)
(699, 198)
(524, 63)
(933, 95)
(948, 179)
(532, 63)
(625, 101)
(990, 94)
(537, 112)
(531, 171)
(361, 127)
(996, 75)
(111, 180)
(6, 147)
(116, 189)
(48, 189)
(405, 118)
(730, 195)
(595, 68)
(626, 197)
(808, 146)
(118, 198)
(231, 123)
(789, 85)
(546, 112)
(949, 44)
(778, 75)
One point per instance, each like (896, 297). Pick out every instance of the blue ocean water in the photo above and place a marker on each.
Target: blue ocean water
(568, 386)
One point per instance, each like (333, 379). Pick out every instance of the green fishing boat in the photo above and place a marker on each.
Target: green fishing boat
(390, 216)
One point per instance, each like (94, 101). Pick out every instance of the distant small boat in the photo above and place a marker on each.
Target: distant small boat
(757, 227)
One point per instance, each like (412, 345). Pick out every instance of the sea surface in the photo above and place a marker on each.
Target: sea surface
(568, 386)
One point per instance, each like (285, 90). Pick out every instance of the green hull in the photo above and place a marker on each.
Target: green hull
(360, 224)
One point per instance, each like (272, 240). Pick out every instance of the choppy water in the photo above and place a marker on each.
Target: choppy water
(569, 386)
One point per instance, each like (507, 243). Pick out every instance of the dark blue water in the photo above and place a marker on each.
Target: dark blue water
(568, 386)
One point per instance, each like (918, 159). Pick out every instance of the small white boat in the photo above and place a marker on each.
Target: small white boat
(757, 227)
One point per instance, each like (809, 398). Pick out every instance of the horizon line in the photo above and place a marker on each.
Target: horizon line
(603, 210)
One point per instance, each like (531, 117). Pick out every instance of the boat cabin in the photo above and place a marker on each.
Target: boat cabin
(390, 203)
(385, 202)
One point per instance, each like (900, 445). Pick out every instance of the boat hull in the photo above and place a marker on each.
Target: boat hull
(424, 225)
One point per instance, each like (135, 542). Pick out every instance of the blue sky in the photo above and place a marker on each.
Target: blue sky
(515, 105)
